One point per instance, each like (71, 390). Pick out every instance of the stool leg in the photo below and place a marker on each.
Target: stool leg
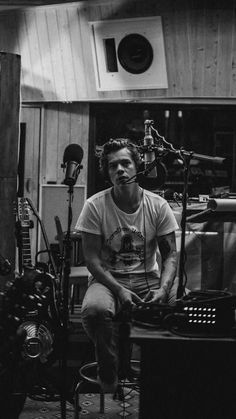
(72, 299)
(102, 402)
(119, 394)
(76, 400)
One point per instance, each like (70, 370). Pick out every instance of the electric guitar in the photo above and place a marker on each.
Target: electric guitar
(30, 329)
(37, 280)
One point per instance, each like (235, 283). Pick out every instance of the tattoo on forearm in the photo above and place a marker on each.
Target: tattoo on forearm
(104, 268)
(165, 248)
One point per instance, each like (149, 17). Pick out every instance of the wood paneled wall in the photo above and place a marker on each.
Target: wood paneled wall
(54, 42)
(50, 128)
(63, 124)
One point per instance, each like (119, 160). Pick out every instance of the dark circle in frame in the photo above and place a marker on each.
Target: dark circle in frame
(135, 53)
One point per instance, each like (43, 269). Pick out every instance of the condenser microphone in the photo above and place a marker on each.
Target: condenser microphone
(153, 172)
(149, 153)
(72, 158)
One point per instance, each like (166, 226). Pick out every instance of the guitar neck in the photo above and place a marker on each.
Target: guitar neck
(23, 224)
(26, 248)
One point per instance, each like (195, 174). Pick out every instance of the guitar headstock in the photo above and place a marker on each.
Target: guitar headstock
(23, 212)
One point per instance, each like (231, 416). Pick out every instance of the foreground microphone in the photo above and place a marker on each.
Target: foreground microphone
(72, 158)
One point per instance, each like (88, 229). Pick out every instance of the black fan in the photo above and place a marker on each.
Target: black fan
(38, 340)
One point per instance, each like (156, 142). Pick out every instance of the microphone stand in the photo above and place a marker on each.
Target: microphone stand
(65, 302)
(149, 168)
(71, 176)
(186, 157)
(65, 292)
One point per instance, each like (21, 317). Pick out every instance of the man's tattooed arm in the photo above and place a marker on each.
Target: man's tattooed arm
(167, 246)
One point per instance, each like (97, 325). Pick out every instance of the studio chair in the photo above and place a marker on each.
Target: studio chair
(79, 273)
(88, 375)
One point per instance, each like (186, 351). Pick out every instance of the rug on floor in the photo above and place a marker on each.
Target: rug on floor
(90, 403)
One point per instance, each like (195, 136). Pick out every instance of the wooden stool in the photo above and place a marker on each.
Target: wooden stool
(88, 373)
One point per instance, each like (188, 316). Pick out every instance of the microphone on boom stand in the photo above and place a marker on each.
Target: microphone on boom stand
(159, 148)
(72, 158)
(153, 172)
(148, 146)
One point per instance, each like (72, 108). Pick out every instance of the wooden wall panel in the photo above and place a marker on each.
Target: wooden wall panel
(64, 124)
(41, 23)
(224, 58)
(65, 45)
(211, 48)
(55, 125)
(35, 53)
(233, 57)
(75, 29)
(57, 57)
(197, 36)
(55, 46)
(177, 47)
(50, 134)
(24, 51)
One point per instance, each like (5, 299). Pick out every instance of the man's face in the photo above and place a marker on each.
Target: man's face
(121, 167)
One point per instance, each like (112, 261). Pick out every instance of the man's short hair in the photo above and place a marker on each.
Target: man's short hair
(114, 145)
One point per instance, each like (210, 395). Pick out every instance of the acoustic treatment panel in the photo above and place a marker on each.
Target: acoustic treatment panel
(129, 54)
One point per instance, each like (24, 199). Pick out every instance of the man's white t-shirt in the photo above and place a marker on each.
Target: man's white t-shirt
(129, 241)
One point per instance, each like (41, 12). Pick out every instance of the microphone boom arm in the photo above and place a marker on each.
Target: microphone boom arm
(183, 153)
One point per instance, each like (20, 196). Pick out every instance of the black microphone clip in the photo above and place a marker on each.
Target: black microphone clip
(72, 171)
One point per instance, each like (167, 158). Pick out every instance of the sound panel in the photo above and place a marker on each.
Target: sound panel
(129, 54)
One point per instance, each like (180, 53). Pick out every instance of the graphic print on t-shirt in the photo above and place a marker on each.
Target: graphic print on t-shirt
(125, 248)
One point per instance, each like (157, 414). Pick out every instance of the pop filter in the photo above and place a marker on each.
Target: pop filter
(152, 182)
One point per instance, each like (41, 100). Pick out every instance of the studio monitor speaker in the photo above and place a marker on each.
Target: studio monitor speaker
(129, 54)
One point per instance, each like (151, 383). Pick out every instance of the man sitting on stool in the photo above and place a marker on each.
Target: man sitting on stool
(123, 229)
